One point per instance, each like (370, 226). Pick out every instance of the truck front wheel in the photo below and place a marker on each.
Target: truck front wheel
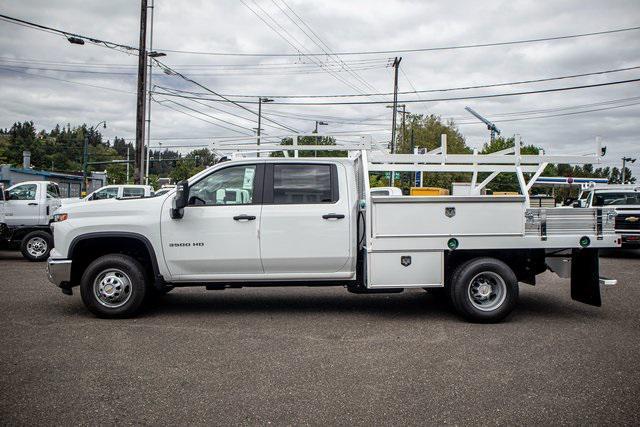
(113, 286)
(484, 290)
(36, 245)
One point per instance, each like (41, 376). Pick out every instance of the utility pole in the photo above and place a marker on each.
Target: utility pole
(128, 147)
(396, 66)
(152, 54)
(142, 63)
(85, 160)
(260, 101)
(624, 166)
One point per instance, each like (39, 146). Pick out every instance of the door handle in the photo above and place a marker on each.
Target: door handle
(244, 217)
(333, 216)
(33, 204)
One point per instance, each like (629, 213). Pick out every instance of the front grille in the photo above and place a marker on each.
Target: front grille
(628, 222)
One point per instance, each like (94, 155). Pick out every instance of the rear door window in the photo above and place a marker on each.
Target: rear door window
(304, 184)
(132, 192)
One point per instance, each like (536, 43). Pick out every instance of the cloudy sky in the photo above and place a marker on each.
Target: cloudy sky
(46, 79)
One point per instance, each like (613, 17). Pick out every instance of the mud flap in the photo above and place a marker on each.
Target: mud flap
(585, 276)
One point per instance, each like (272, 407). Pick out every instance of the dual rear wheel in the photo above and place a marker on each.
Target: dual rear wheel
(483, 290)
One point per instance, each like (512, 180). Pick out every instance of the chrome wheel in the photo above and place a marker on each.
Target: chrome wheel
(112, 288)
(37, 247)
(487, 291)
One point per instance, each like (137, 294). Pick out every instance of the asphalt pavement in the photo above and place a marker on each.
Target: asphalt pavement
(319, 356)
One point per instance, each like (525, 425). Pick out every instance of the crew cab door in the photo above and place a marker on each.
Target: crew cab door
(217, 237)
(22, 207)
(306, 220)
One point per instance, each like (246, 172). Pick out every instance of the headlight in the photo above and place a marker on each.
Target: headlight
(60, 217)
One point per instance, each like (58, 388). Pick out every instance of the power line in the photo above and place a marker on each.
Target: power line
(451, 89)
(381, 60)
(67, 34)
(169, 70)
(457, 98)
(245, 131)
(298, 46)
(423, 49)
(322, 45)
(556, 109)
(130, 49)
(69, 81)
(245, 72)
(555, 115)
(160, 102)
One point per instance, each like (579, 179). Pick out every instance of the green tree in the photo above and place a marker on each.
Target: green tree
(311, 140)
(184, 169)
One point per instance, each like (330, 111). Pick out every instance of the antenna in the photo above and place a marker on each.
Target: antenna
(492, 128)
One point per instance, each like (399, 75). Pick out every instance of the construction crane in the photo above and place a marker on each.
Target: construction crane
(492, 128)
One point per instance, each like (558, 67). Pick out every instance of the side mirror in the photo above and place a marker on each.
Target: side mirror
(180, 200)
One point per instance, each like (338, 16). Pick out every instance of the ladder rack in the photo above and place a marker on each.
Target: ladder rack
(378, 159)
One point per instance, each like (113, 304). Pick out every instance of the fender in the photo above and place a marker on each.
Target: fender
(130, 235)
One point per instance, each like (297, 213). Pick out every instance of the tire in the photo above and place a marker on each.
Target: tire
(114, 286)
(35, 246)
(484, 290)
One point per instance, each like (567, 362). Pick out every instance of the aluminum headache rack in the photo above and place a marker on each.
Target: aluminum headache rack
(378, 159)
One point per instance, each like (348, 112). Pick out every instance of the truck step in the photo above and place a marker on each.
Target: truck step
(608, 282)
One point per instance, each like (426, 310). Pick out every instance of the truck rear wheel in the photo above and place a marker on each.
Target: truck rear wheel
(35, 246)
(114, 286)
(484, 290)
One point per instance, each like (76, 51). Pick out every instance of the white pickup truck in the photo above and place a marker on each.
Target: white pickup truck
(122, 191)
(312, 222)
(26, 210)
(625, 199)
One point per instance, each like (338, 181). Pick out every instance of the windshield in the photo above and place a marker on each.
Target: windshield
(616, 199)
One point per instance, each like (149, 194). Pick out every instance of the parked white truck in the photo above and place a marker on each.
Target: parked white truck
(625, 199)
(26, 210)
(269, 221)
(122, 191)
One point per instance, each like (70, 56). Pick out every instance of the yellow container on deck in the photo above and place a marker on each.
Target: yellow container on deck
(505, 193)
(428, 191)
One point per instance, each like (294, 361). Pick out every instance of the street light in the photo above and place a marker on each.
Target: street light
(85, 155)
(75, 40)
(260, 101)
(624, 166)
(321, 123)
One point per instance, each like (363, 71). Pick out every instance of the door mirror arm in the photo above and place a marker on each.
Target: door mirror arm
(180, 200)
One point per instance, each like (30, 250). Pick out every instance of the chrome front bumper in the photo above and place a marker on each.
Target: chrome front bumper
(59, 271)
